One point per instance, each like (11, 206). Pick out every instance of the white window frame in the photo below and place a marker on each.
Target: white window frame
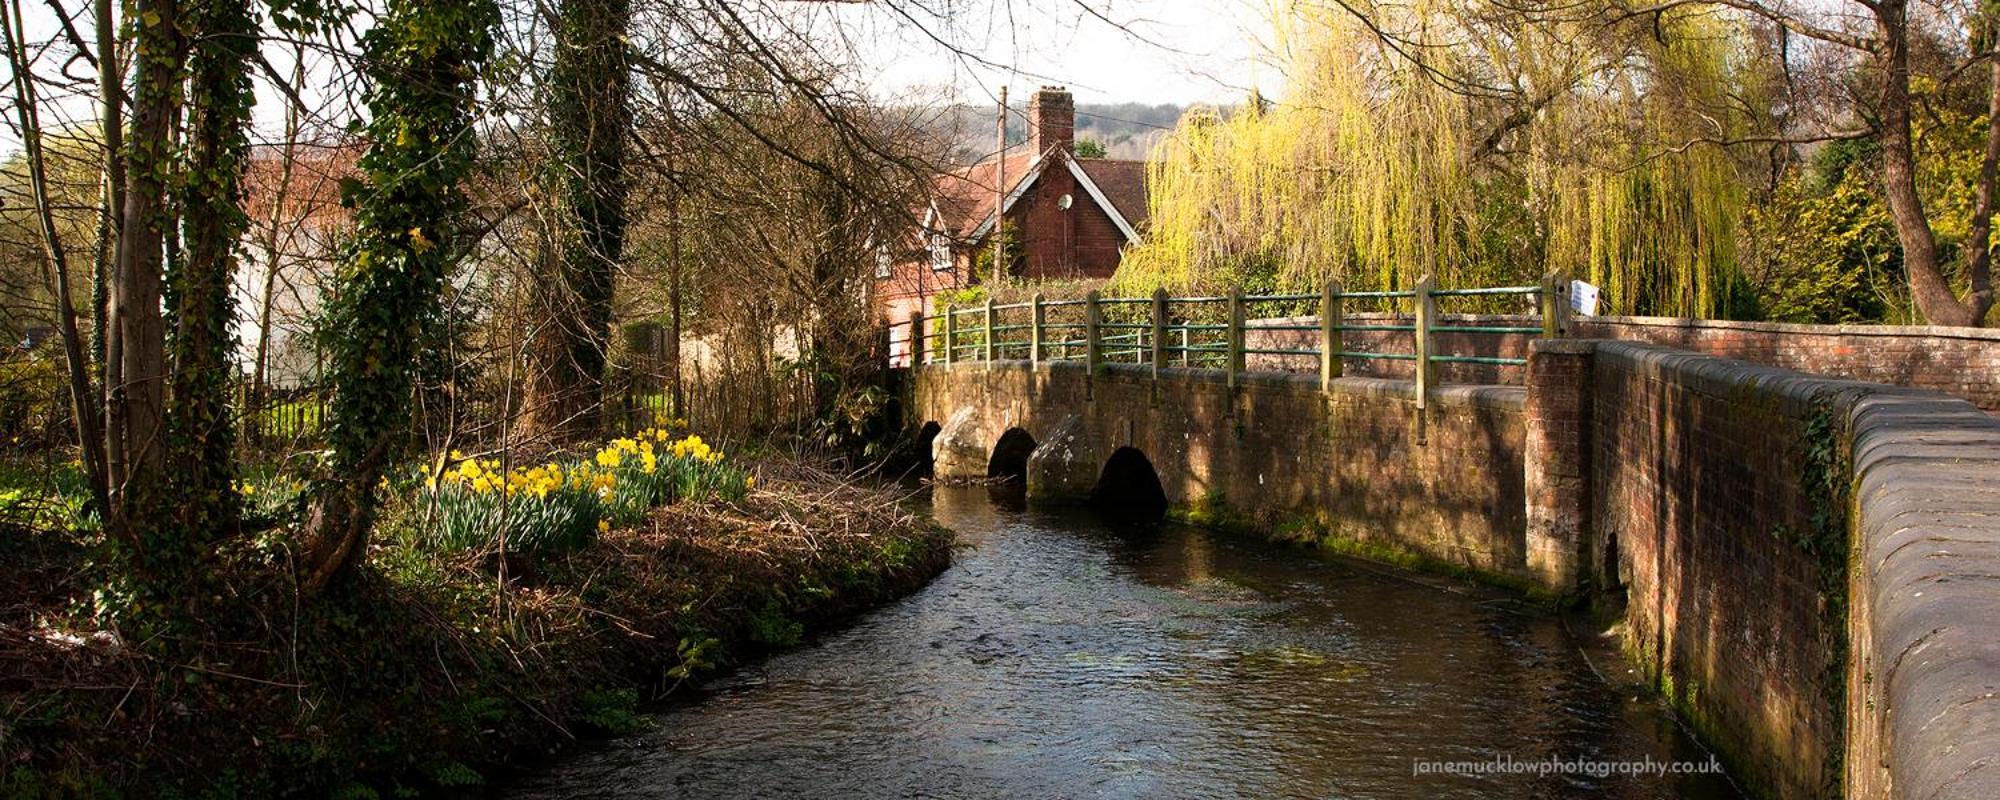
(940, 253)
(885, 267)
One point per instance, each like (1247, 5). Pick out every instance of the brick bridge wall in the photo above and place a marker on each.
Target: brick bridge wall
(1276, 452)
(1807, 566)
(1703, 510)
(1963, 362)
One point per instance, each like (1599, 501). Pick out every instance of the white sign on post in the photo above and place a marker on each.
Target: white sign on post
(1583, 298)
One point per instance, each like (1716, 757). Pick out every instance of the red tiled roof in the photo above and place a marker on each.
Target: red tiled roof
(965, 198)
(1123, 183)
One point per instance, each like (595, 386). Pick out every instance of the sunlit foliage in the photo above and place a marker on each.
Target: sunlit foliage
(1516, 147)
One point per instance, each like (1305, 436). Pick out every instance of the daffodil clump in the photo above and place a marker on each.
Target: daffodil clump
(274, 497)
(560, 505)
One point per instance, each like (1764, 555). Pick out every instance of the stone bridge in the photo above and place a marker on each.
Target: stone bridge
(1808, 568)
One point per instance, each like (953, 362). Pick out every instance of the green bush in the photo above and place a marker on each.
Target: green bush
(33, 410)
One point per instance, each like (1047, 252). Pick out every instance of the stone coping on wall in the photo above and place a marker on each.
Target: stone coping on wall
(1919, 331)
(1923, 711)
(1796, 328)
(1927, 472)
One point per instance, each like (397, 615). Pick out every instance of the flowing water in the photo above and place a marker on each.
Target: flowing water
(1062, 656)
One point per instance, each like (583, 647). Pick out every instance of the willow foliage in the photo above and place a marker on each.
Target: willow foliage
(1520, 144)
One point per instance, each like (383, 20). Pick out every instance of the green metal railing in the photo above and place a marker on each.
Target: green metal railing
(1166, 331)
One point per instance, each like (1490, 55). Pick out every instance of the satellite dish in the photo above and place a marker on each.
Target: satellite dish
(1064, 202)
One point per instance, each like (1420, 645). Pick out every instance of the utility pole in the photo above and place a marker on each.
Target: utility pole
(999, 179)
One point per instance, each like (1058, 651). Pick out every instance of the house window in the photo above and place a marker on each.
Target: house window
(884, 266)
(940, 253)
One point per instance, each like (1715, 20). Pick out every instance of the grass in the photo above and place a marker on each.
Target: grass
(428, 673)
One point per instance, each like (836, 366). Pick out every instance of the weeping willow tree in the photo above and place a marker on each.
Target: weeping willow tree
(1478, 148)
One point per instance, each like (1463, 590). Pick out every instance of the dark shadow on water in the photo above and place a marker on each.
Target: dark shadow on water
(1126, 524)
(1009, 496)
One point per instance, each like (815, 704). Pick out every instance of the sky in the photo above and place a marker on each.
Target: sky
(1105, 51)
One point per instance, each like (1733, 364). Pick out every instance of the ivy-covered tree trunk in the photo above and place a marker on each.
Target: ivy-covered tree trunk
(589, 120)
(198, 289)
(422, 59)
(135, 357)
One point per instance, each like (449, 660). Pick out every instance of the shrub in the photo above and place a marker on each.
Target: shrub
(33, 410)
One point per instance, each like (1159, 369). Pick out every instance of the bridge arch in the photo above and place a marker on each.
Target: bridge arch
(1009, 461)
(926, 439)
(1128, 484)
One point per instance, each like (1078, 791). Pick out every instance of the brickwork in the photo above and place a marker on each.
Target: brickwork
(1059, 243)
(1813, 667)
(1276, 451)
(1963, 362)
(1698, 491)
(1558, 460)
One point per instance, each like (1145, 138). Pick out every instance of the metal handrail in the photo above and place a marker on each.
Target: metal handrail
(984, 335)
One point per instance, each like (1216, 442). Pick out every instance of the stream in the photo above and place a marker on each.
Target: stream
(1064, 656)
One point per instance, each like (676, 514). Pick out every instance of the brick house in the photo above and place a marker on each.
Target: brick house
(1068, 217)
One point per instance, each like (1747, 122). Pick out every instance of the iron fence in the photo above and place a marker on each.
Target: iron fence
(1212, 331)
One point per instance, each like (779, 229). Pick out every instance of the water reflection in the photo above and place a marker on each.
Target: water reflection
(1065, 656)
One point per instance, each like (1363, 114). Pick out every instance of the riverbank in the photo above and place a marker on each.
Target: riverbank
(428, 674)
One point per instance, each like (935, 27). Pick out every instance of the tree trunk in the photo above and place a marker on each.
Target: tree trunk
(1929, 286)
(135, 382)
(422, 58)
(589, 118)
(219, 148)
(111, 126)
(1979, 251)
(679, 393)
(273, 246)
(83, 403)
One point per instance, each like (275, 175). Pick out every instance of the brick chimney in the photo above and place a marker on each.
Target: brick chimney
(1052, 120)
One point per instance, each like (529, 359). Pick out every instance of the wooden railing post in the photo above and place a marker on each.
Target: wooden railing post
(1159, 330)
(1037, 319)
(989, 349)
(950, 335)
(1555, 305)
(1330, 341)
(917, 336)
(1426, 310)
(1234, 363)
(1093, 348)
